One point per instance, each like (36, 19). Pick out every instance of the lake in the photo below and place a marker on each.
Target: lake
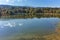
(13, 29)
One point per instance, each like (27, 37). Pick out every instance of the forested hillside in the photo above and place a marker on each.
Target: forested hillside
(21, 11)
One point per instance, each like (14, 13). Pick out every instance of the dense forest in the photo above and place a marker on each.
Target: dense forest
(22, 11)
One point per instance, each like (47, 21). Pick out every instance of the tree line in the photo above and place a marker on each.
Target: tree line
(18, 11)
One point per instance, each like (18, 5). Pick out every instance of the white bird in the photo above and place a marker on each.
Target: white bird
(9, 24)
(20, 24)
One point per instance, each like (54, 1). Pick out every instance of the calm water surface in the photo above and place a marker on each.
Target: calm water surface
(10, 28)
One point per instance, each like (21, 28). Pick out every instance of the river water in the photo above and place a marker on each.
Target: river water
(16, 27)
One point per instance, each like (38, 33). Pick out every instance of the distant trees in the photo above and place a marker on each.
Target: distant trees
(29, 11)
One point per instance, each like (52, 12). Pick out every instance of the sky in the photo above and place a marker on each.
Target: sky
(34, 3)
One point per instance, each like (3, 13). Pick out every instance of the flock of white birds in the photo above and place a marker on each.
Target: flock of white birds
(10, 24)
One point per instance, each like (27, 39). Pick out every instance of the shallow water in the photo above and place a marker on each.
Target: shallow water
(18, 27)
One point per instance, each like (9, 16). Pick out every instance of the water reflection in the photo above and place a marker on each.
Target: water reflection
(18, 27)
